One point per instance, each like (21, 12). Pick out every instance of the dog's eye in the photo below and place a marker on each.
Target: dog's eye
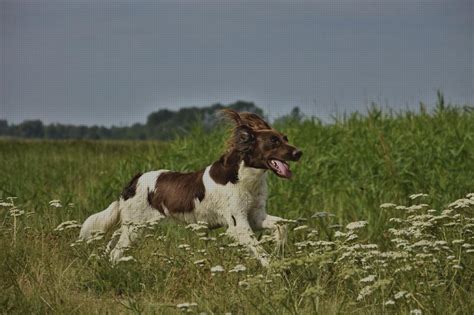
(275, 139)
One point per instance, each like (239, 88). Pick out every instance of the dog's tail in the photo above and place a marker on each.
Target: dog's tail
(101, 222)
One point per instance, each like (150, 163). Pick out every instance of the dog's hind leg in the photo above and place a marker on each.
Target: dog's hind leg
(129, 233)
(131, 230)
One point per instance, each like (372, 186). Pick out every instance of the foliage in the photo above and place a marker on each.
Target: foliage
(347, 254)
(164, 124)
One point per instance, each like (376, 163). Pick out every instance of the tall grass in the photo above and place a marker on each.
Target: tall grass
(349, 168)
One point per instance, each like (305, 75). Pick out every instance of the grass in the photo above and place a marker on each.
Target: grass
(414, 258)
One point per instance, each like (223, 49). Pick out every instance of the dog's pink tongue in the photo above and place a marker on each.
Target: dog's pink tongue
(283, 169)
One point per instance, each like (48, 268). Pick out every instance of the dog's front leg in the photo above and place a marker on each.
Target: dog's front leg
(239, 229)
(261, 220)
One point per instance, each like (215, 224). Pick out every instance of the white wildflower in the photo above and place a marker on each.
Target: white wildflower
(396, 220)
(152, 223)
(356, 225)
(15, 212)
(351, 237)
(370, 246)
(462, 203)
(6, 204)
(305, 244)
(55, 203)
(217, 268)
(67, 225)
(422, 224)
(186, 305)
(184, 246)
(301, 227)
(126, 258)
(403, 269)
(76, 243)
(458, 267)
(450, 224)
(387, 205)
(325, 243)
(235, 244)
(389, 302)
(416, 312)
(266, 239)
(196, 227)
(422, 243)
(207, 238)
(466, 245)
(400, 294)
(454, 242)
(470, 251)
(366, 291)
(447, 212)
(238, 268)
(244, 284)
(417, 207)
(414, 196)
(339, 234)
(96, 236)
(368, 279)
(200, 262)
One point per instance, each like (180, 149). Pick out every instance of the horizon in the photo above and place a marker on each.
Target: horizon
(113, 63)
(332, 118)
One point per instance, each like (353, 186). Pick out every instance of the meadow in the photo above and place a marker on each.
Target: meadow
(383, 204)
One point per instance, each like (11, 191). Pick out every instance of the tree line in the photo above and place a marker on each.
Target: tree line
(163, 124)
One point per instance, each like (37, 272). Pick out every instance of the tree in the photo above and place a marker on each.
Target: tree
(3, 127)
(31, 129)
(156, 118)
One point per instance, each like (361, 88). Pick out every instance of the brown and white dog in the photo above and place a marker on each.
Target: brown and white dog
(231, 192)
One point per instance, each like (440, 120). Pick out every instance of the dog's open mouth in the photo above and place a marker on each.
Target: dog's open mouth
(280, 168)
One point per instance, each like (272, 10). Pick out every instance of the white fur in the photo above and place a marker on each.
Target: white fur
(240, 207)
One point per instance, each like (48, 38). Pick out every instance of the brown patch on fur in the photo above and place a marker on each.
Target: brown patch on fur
(177, 191)
(226, 169)
(131, 188)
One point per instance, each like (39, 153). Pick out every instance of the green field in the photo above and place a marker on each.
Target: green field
(405, 259)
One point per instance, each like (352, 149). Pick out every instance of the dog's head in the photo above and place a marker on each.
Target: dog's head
(260, 145)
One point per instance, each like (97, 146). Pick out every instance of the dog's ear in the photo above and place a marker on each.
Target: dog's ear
(243, 138)
(245, 134)
(254, 121)
(231, 115)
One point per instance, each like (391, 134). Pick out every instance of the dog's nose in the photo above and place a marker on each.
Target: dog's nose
(297, 154)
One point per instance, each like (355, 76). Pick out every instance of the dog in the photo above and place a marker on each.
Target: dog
(231, 192)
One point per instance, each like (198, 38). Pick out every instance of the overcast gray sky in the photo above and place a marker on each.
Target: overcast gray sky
(113, 62)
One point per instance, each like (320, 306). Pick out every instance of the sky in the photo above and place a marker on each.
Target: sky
(113, 62)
